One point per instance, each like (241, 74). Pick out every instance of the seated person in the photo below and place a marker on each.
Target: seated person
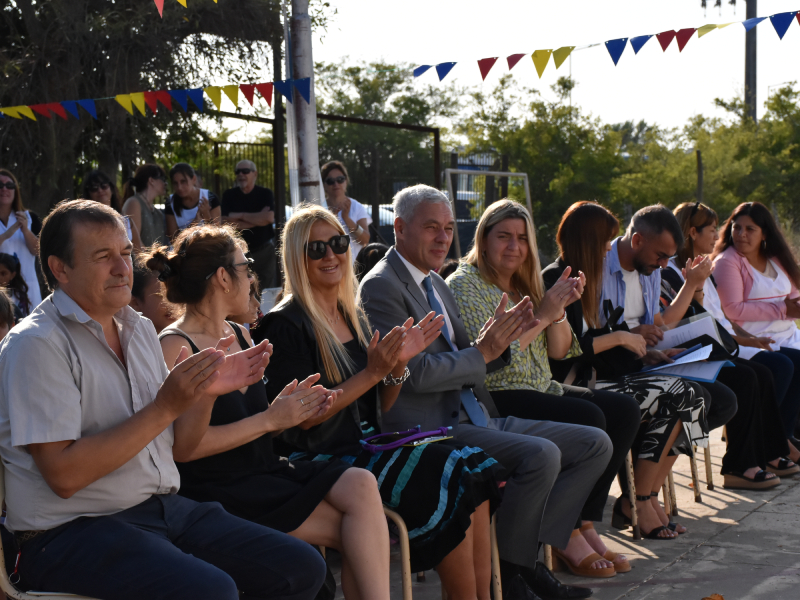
(368, 257)
(88, 432)
(442, 491)
(189, 204)
(550, 468)
(147, 299)
(253, 315)
(322, 503)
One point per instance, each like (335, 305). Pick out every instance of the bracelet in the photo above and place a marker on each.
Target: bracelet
(561, 320)
(392, 381)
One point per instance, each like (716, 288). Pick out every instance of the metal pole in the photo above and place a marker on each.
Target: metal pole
(305, 112)
(750, 79)
(699, 176)
(278, 144)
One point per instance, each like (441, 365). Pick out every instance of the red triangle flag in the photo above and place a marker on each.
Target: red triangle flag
(165, 99)
(57, 109)
(248, 89)
(513, 59)
(41, 109)
(160, 7)
(265, 89)
(152, 101)
(683, 36)
(665, 39)
(485, 65)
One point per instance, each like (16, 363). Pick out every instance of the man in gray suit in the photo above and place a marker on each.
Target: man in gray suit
(550, 468)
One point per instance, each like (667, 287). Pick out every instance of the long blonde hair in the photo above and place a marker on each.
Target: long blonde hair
(295, 236)
(528, 278)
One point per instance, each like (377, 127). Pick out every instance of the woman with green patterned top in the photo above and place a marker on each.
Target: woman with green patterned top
(504, 259)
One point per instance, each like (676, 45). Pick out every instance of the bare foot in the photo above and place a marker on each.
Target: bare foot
(578, 548)
(648, 518)
(659, 510)
(596, 542)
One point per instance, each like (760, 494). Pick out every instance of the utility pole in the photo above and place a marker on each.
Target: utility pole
(305, 112)
(750, 79)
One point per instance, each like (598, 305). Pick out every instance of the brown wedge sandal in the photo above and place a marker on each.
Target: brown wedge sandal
(621, 565)
(562, 563)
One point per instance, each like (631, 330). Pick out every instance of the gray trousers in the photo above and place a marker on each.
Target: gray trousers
(549, 469)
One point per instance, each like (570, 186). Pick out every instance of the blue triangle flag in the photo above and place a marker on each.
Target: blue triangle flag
(71, 107)
(196, 96)
(615, 48)
(88, 106)
(442, 69)
(420, 70)
(285, 88)
(304, 87)
(638, 42)
(182, 98)
(750, 23)
(781, 22)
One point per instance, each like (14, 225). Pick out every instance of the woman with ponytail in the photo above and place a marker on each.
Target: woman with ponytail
(140, 192)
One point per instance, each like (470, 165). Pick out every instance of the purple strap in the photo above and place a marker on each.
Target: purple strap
(410, 436)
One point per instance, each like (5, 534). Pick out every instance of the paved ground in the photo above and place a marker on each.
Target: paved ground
(740, 545)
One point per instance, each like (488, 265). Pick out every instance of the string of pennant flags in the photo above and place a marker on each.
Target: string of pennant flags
(160, 6)
(142, 100)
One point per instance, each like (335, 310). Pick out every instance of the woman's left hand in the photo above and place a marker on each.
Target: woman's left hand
(241, 369)
(579, 287)
(420, 336)
(22, 219)
(204, 210)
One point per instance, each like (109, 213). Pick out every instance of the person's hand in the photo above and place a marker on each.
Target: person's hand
(22, 220)
(652, 334)
(792, 308)
(580, 285)
(558, 297)
(299, 402)
(656, 357)
(670, 352)
(764, 343)
(204, 209)
(697, 271)
(383, 355)
(189, 380)
(633, 342)
(241, 369)
(499, 331)
(344, 206)
(420, 336)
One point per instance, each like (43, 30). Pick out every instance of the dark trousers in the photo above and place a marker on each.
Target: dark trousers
(755, 433)
(616, 414)
(721, 404)
(173, 548)
(264, 265)
(787, 383)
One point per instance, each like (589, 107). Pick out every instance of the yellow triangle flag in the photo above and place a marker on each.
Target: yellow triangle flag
(701, 31)
(182, 3)
(125, 102)
(26, 110)
(215, 93)
(138, 101)
(11, 111)
(560, 55)
(540, 60)
(232, 92)
(724, 25)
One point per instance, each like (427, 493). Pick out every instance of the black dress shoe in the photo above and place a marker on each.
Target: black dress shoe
(515, 588)
(542, 581)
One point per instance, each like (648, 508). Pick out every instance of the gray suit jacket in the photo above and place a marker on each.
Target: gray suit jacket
(431, 397)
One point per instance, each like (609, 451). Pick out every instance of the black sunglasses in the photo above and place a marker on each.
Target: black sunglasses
(98, 187)
(248, 262)
(243, 171)
(9, 185)
(317, 250)
(332, 180)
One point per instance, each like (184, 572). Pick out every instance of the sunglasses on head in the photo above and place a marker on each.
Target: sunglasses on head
(317, 250)
(243, 171)
(9, 185)
(332, 180)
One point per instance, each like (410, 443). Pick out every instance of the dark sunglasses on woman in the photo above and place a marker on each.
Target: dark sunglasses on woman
(332, 180)
(99, 186)
(9, 185)
(317, 250)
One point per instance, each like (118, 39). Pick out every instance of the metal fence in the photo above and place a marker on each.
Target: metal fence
(217, 170)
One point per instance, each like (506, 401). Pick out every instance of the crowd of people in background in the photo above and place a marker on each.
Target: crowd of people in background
(154, 421)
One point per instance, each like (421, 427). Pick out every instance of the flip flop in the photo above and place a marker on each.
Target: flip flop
(737, 481)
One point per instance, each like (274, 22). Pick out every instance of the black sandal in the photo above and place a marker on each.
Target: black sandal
(672, 525)
(619, 520)
(785, 468)
(653, 534)
(759, 481)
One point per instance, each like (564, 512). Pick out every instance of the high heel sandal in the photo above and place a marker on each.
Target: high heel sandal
(620, 566)
(619, 520)
(653, 533)
(672, 525)
(560, 561)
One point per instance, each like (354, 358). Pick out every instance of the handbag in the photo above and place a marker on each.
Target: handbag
(618, 361)
(413, 437)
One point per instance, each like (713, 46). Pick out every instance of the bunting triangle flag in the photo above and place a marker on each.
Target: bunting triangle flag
(417, 72)
(540, 60)
(196, 96)
(442, 69)
(164, 97)
(232, 92)
(138, 101)
(124, 101)
(266, 91)
(683, 36)
(285, 88)
(616, 48)
(26, 110)
(56, 108)
(182, 3)
(750, 23)
(665, 39)
(724, 25)
(215, 93)
(71, 107)
(638, 42)
(303, 86)
(160, 7)
(561, 54)
(88, 106)
(11, 111)
(151, 100)
(485, 65)
(182, 98)
(41, 109)
(513, 60)
(701, 31)
(249, 90)
(781, 22)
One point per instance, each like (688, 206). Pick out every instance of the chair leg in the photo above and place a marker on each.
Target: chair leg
(709, 470)
(673, 497)
(497, 586)
(421, 577)
(548, 556)
(695, 479)
(405, 551)
(637, 535)
(665, 496)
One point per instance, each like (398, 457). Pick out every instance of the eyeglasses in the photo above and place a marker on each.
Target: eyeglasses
(244, 171)
(317, 250)
(98, 187)
(247, 262)
(332, 180)
(9, 185)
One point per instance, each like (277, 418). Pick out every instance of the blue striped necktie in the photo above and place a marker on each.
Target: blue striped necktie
(468, 399)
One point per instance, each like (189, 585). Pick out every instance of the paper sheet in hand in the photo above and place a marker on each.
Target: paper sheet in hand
(701, 354)
(706, 372)
(673, 338)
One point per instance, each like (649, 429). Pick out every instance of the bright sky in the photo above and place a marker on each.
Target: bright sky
(666, 88)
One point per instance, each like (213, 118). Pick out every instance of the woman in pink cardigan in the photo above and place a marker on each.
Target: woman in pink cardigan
(757, 278)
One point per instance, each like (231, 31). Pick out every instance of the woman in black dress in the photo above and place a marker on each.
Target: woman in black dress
(440, 489)
(324, 503)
